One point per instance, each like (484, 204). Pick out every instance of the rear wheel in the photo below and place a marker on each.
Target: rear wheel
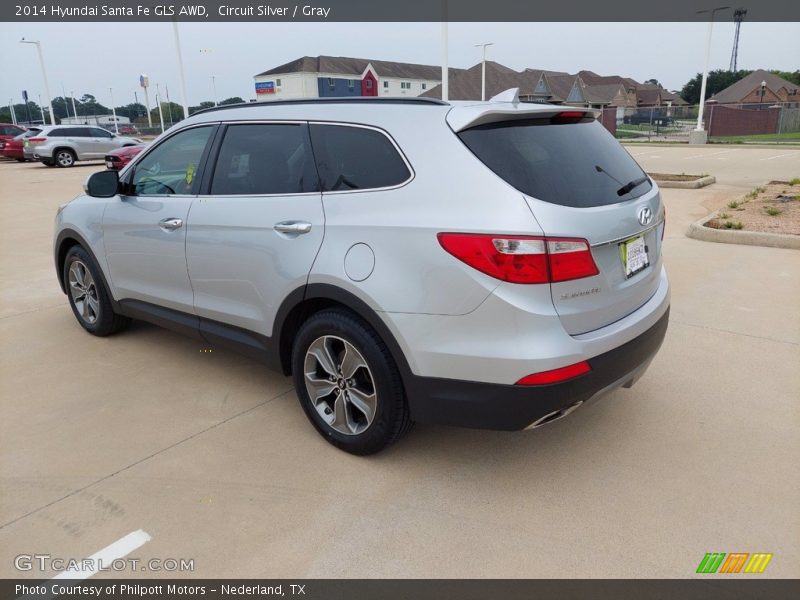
(65, 158)
(348, 384)
(88, 297)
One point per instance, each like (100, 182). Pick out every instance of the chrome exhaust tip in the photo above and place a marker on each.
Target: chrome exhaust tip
(554, 416)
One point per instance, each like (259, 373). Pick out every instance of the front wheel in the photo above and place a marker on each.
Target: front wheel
(88, 297)
(348, 383)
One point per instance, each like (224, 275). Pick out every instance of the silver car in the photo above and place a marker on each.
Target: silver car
(490, 265)
(64, 145)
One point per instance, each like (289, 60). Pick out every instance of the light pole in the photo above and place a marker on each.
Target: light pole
(72, 97)
(144, 81)
(160, 114)
(180, 69)
(213, 79)
(699, 138)
(113, 111)
(66, 105)
(483, 69)
(44, 76)
(11, 110)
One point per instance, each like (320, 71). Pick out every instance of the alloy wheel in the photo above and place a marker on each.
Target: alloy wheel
(83, 291)
(65, 158)
(340, 385)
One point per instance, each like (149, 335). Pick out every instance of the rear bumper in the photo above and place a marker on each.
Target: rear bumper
(510, 407)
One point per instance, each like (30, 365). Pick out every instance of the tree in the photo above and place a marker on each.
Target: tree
(791, 76)
(232, 100)
(201, 106)
(653, 82)
(718, 80)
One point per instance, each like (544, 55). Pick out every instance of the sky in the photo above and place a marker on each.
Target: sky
(93, 57)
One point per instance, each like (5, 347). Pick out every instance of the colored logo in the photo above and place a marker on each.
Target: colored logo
(735, 562)
(265, 87)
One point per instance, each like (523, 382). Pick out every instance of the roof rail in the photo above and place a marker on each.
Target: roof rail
(340, 100)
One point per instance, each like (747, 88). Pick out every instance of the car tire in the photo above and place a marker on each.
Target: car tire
(48, 162)
(65, 158)
(361, 411)
(20, 160)
(88, 296)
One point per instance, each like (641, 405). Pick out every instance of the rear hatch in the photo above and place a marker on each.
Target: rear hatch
(579, 182)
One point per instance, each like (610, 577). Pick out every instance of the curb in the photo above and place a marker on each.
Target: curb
(699, 231)
(688, 185)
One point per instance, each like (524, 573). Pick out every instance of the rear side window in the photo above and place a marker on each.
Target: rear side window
(356, 158)
(577, 164)
(264, 159)
(59, 132)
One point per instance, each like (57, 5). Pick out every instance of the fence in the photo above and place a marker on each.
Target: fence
(725, 123)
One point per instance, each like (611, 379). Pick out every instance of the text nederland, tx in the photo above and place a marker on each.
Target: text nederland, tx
(67, 589)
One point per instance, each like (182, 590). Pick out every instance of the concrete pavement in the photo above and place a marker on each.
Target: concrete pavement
(211, 455)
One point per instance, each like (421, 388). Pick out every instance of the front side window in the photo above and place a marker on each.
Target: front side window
(171, 167)
(101, 133)
(264, 159)
(356, 158)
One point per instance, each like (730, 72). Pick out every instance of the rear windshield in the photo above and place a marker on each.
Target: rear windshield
(577, 164)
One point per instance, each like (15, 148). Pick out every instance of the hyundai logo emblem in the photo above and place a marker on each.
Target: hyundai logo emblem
(645, 216)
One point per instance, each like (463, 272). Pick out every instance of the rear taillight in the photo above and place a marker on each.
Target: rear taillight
(37, 139)
(522, 259)
(556, 375)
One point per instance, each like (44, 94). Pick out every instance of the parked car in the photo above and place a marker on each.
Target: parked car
(14, 148)
(63, 146)
(119, 158)
(128, 130)
(8, 132)
(493, 265)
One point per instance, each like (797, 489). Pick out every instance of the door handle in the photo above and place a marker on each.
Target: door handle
(296, 227)
(170, 224)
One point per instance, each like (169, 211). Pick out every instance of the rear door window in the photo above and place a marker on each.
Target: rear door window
(356, 158)
(257, 159)
(577, 164)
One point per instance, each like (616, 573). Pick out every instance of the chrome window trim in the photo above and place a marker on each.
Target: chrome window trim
(629, 236)
(412, 173)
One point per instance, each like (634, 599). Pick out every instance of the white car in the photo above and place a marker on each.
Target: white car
(64, 145)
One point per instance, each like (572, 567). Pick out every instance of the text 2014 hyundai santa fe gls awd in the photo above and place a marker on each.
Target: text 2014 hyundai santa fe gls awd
(491, 265)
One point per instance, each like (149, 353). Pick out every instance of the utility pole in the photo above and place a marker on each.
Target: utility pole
(445, 69)
(483, 69)
(144, 81)
(180, 69)
(699, 136)
(11, 109)
(72, 97)
(44, 77)
(114, 111)
(738, 17)
(160, 113)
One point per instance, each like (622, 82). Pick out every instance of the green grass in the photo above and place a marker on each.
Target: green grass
(772, 211)
(734, 204)
(761, 137)
(794, 181)
(733, 225)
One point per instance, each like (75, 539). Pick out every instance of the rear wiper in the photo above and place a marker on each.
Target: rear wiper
(629, 187)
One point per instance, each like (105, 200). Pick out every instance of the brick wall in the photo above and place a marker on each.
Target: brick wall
(609, 119)
(725, 120)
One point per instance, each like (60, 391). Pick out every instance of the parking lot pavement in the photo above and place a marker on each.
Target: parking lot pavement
(210, 454)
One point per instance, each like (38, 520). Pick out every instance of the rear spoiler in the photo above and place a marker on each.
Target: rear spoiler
(506, 106)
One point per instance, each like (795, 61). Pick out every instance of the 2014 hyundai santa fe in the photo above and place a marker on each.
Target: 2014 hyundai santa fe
(491, 265)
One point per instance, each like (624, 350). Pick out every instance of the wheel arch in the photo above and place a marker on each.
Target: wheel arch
(303, 302)
(66, 239)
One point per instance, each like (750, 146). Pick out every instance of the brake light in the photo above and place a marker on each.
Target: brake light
(522, 259)
(556, 375)
(37, 139)
(571, 114)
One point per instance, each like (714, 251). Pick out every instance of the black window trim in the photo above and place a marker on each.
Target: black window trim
(411, 172)
(127, 174)
(216, 146)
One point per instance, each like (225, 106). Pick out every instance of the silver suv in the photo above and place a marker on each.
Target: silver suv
(491, 265)
(64, 145)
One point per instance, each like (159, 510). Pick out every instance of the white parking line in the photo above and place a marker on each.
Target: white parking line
(778, 156)
(103, 558)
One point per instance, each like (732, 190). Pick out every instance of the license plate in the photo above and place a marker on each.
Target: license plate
(633, 253)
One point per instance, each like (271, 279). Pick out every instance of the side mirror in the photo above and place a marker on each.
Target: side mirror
(104, 184)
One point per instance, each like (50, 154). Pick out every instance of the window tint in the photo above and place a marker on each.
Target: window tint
(571, 164)
(97, 132)
(355, 158)
(171, 167)
(58, 132)
(264, 159)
